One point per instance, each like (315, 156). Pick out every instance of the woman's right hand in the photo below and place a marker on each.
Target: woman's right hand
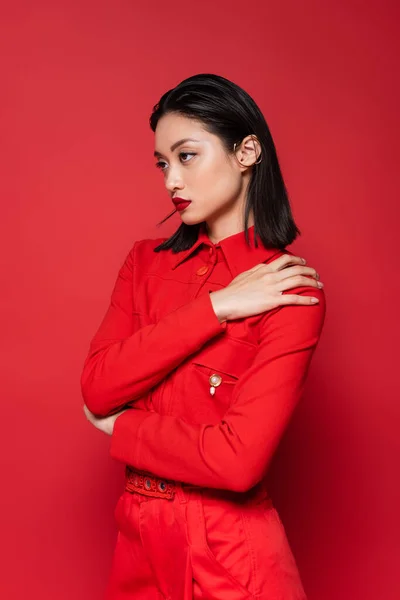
(260, 288)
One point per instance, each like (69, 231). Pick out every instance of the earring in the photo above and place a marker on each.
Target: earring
(234, 149)
(256, 163)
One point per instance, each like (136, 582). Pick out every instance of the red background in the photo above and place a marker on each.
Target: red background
(79, 80)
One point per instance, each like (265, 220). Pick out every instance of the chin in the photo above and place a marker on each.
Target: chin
(191, 219)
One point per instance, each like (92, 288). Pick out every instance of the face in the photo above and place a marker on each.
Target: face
(199, 169)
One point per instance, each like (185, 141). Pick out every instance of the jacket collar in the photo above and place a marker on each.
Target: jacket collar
(238, 255)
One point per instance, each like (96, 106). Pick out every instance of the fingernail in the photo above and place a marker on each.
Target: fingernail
(313, 300)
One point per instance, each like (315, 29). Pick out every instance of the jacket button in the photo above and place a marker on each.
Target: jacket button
(215, 380)
(202, 271)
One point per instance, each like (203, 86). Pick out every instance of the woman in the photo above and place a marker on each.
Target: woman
(201, 359)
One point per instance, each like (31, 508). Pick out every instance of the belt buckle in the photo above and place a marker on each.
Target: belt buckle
(148, 485)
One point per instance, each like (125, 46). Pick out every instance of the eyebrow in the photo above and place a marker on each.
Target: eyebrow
(176, 144)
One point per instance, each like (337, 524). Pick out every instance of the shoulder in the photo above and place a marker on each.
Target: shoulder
(298, 316)
(142, 253)
(147, 245)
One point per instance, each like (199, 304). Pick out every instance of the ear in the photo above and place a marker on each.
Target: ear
(248, 151)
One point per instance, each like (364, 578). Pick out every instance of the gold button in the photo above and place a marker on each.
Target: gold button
(215, 380)
(202, 271)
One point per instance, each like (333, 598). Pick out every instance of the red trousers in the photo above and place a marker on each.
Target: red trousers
(203, 543)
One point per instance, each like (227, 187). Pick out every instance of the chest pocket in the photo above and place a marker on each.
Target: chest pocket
(216, 368)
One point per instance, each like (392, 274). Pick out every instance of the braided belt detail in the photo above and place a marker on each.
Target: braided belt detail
(148, 485)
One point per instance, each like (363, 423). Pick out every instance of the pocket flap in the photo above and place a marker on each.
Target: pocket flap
(226, 355)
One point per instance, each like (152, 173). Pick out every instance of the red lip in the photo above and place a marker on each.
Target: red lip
(180, 203)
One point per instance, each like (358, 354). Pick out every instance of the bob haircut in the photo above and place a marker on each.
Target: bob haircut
(226, 110)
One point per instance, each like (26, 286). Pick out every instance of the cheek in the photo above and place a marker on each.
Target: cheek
(226, 186)
(218, 180)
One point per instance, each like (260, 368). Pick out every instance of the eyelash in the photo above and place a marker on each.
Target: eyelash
(160, 162)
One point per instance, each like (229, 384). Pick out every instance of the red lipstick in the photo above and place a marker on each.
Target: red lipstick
(180, 203)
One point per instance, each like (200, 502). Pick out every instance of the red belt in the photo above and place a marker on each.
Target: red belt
(147, 484)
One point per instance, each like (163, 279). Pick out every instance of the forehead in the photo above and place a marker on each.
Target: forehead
(172, 127)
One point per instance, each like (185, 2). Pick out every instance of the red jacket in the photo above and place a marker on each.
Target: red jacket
(159, 344)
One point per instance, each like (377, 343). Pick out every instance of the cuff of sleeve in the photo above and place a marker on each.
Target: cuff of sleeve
(125, 444)
(200, 311)
(209, 315)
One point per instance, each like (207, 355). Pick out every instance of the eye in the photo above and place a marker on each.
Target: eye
(181, 154)
(162, 165)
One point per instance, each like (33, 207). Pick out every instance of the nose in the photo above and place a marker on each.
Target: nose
(173, 180)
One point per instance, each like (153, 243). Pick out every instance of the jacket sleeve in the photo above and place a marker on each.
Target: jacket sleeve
(235, 453)
(122, 365)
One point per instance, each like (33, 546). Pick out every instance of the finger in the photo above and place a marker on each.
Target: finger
(297, 281)
(296, 270)
(296, 299)
(87, 412)
(284, 260)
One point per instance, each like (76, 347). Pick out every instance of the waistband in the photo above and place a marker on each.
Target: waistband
(147, 484)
